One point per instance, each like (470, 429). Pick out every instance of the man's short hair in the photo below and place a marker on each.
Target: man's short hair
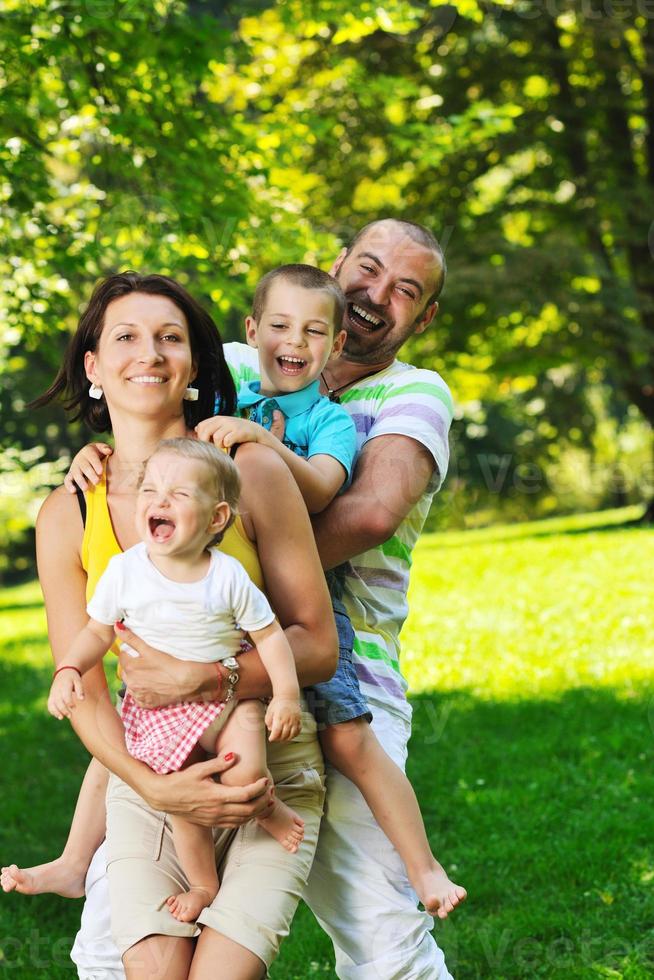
(307, 276)
(420, 235)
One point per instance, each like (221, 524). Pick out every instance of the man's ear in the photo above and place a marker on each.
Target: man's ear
(337, 346)
(90, 367)
(426, 318)
(221, 515)
(338, 263)
(251, 331)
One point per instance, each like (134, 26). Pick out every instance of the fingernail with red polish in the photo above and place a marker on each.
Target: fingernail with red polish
(119, 626)
(228, 757)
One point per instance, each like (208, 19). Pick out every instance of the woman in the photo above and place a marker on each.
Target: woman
(140, 344)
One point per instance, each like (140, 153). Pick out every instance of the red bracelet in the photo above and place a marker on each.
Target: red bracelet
(66, 667)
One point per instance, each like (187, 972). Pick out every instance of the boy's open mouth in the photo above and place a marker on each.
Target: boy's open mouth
(161, 528)
(363, 318)
(291, 365)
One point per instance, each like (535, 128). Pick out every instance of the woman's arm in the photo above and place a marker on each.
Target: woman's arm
(191, 792)
(275, 516)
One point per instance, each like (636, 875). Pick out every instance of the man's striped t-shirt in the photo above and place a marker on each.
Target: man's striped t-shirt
(400, 400)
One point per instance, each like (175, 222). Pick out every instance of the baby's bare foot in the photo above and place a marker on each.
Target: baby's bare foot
(436, 891)
(284, 825)
(61, 877)
(187, 906)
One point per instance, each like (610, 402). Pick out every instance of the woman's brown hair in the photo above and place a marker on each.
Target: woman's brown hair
(214, 382)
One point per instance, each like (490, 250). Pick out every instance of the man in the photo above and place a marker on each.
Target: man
(391, 274)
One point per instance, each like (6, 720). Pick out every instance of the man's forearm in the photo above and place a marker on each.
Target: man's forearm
(340, 535)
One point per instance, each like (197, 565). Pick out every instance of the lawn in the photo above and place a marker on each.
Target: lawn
(532, 679)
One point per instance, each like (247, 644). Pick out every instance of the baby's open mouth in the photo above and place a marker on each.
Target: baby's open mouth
(291, 365)
(161, 528)
(363, 318)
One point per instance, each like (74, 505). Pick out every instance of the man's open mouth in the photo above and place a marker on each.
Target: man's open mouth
(291, 365)
(161, 528)
(364, 318)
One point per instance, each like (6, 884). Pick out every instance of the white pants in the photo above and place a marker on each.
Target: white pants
(94, 952)
(358, 889)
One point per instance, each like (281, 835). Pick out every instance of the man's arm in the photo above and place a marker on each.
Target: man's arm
(391, 474)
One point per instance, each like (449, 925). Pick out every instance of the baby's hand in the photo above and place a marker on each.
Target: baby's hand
(60, 700)
(86, 467)
(283, 719)
(225, 431)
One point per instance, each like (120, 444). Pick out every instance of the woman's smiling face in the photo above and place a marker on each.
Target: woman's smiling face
(143, 360)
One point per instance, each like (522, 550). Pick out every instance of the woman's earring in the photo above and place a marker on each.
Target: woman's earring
(95, 391)
(191, 394)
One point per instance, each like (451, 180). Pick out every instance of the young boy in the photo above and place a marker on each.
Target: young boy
(296, 327)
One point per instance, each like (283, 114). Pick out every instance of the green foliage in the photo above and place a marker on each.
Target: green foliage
(214, 141)
(531, 756)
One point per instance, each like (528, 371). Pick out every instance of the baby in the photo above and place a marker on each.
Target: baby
(187, 598)
(296, 327)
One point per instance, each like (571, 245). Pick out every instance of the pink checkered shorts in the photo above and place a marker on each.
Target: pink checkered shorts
(164, 737)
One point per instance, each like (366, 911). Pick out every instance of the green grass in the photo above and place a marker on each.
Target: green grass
(528, 656)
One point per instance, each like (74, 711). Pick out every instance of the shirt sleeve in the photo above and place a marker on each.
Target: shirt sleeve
(105, 604)
(250, 608)
(332, 433)
(418, 404)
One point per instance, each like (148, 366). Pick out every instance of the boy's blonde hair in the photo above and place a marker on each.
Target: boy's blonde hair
(226, 482)
(306, 276)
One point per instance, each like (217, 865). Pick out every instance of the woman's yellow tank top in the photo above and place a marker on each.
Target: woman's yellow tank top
(99, 543)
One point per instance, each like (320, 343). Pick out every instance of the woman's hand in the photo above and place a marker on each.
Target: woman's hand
(156, 679)
(86, 468)
(283, 719)
(194, 794)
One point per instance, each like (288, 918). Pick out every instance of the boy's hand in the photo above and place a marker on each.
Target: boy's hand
(283, 719)
(60, 699)
(86, 468)
(225, 431)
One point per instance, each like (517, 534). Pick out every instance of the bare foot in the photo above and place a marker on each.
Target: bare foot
(187, 906)
(436, 891)
(284, 825)
(61, 877)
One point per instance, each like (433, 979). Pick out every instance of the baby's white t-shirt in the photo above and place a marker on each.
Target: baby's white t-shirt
(203, 621)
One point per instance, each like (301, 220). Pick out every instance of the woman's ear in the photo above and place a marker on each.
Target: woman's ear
(90, 366)
(251, 331)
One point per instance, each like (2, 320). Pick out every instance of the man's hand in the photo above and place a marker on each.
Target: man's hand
(283, 719)
(194, 794)
(86, 468)
(155, 679)
(61, 700)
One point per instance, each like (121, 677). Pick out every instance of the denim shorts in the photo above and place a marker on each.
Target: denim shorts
(339, 699)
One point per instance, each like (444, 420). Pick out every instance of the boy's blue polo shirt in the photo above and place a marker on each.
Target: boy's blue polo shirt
(314, 425)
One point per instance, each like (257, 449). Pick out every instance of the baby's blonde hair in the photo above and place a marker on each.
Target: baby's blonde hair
(226, 482)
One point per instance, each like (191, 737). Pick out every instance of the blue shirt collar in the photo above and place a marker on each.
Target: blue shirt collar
(293, 403)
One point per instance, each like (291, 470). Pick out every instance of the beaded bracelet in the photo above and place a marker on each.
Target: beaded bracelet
(66, 667)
